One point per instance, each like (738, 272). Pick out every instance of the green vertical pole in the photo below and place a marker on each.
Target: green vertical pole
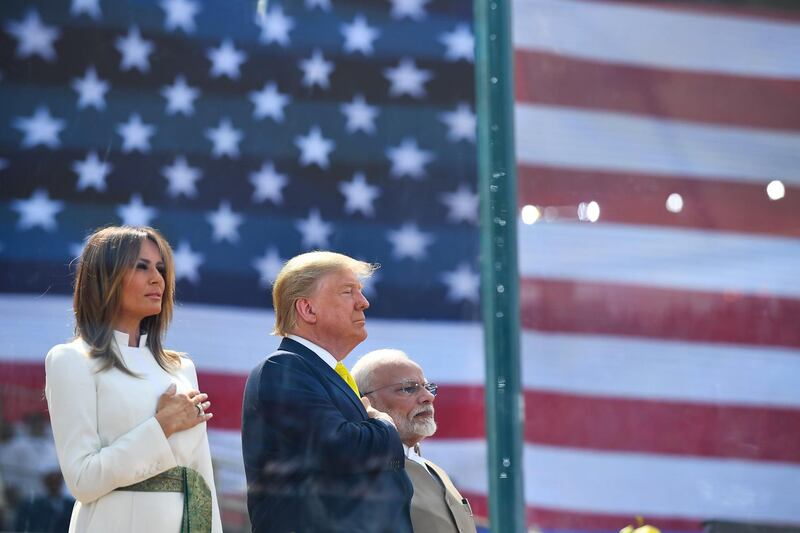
(499, 273)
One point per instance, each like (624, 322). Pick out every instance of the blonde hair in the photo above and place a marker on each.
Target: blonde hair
(110, 253)
(299, 277)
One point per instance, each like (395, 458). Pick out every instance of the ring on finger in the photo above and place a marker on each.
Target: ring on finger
(200, 411)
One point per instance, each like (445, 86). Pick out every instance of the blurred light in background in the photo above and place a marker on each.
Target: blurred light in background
(776, 190)
(675, 203)
(530, 214)
(589, 212)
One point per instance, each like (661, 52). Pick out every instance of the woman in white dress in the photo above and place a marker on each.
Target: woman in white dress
(128, 420)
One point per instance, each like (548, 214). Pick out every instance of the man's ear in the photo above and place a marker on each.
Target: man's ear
(305, 310)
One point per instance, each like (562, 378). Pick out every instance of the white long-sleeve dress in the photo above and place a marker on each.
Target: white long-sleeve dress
(107, 437)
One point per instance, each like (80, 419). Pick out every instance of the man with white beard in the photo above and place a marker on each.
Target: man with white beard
(395, 384)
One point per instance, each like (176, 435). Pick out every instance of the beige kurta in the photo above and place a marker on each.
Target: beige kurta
(107, 437)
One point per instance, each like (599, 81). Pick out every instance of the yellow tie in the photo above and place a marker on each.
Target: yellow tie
(342, 371)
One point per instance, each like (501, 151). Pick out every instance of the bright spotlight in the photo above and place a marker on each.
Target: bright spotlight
(593, 211)
(675, 203)
(776, 190)
(530, 214)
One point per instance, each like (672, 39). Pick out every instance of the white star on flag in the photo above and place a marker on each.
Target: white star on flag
(89, 7)
(406, 78)
(314, 230)
(91, 90)
(187, 262)
(91, 172)
(360, 115)
(275, 26)
(134, 51)
(181, 178)
(413, 9)
(324, 5)
(460, 123)
(38, 210)
(359, 195)
(33, 36)
(180, 97)
(460, 44)
(225, 223)
(314, 148)
(225, 138)
(463, 283)
(268, 267)
(408, 160)
(40, 128)
(462, 204)
(179, 14)
(316, 71)
(269, 102)
(409, 242)
(226, 60)
(268, 184)
(135, 134)
(136, 213)
(358, 36)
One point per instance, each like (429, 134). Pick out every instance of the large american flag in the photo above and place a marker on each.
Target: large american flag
(660, 344)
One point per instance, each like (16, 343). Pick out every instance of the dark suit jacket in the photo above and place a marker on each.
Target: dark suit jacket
(314, 461)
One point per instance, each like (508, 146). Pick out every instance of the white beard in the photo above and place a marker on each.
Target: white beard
(411, 428)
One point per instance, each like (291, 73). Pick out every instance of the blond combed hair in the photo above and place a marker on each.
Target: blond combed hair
(109, 254)
(299, 277)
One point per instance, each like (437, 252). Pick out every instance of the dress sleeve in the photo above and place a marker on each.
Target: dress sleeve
(90, 469)
(202, 459)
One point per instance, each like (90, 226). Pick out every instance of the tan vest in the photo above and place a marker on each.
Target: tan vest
(437, 506)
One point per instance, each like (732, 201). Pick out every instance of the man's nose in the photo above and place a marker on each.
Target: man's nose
(426, 396)
(363, 303)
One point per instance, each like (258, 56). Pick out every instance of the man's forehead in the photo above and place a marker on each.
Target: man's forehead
(342, 276)
(398, 371)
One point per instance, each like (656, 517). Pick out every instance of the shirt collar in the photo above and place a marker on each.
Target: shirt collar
(413, 454)
(323, 354)
(123, 338)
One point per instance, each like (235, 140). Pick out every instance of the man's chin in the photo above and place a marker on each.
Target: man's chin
(424, 426)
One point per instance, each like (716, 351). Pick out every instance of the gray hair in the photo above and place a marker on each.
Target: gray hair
(364, 369)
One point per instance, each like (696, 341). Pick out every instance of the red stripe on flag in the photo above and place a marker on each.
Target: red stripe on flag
(615, 309)
(21, 389)
(777, 13)
(547, 78)
(662, 427)
(557, 419)
(594, 422)
(632, 198)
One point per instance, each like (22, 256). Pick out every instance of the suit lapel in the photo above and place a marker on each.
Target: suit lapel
(322, 368)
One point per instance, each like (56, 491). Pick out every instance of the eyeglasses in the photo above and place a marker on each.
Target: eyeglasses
(409, 388)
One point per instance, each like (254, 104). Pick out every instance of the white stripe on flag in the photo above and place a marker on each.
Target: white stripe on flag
(661, 370)
(452, 353)
(635, 484)
(602, 140)
(653, 37)
(661, 257)
(233, 340)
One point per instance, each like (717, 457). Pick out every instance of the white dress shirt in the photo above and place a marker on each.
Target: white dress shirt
(323, 354)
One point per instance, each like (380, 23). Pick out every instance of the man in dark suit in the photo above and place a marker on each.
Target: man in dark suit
(395, 384)
(318, 458)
